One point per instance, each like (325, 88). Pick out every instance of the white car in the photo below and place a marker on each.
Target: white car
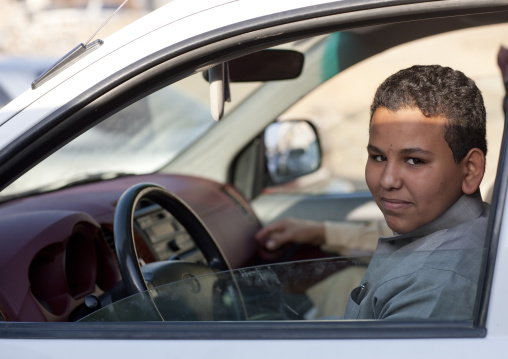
(137, 170)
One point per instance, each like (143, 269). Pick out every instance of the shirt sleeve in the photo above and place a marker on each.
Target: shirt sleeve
(353, 238)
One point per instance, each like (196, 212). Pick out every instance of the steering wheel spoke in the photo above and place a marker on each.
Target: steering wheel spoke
(130, 269)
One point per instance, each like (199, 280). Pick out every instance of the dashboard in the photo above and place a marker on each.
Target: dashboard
(164, 236)
(58, 247)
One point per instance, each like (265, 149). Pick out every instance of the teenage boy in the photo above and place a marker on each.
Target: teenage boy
(427, 146)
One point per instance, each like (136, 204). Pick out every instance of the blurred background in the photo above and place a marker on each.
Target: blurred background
(34, 34)
(54, 27)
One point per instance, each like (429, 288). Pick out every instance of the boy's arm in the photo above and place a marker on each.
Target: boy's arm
(353, 238)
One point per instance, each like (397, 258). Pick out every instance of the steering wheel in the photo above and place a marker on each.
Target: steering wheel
(128, 261)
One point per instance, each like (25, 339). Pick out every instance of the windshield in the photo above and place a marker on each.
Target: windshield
(142, 138)
(139, 139)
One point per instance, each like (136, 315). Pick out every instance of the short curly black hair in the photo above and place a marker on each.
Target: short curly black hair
(439, 91)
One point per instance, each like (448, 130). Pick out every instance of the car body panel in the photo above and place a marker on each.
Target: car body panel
(253, 349)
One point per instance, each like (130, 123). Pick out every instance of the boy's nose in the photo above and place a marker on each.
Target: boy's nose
(391, 177)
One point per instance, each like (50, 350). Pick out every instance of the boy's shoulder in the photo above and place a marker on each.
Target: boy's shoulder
(459, 249)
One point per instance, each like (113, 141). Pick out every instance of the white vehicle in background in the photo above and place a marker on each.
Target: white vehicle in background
(17, 73)
(213, 118)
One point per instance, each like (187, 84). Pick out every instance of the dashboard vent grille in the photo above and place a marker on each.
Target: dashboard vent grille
(109, 237)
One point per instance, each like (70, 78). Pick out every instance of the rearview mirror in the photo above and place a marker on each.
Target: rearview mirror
(265, 65)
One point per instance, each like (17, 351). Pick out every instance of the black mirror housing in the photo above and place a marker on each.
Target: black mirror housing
(265, 65)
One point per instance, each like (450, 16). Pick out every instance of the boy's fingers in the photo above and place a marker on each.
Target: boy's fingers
(277, 239)
(261, 234)
(270, 230)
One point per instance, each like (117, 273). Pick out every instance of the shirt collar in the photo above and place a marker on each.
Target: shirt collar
(466, 208)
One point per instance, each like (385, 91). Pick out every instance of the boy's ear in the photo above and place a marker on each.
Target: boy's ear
(474, 169)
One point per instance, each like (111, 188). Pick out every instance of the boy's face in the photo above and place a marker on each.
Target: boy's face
(410, 170)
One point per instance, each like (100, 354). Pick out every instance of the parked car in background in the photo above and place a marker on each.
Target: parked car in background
(17, 73)
(136, 172)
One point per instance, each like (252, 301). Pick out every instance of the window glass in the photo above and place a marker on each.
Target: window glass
(301, 290)
(309, 290)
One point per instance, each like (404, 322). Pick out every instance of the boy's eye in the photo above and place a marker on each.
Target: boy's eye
(415, 161)
(378, 158)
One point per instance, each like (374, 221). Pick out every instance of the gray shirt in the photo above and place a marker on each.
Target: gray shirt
(430, 273)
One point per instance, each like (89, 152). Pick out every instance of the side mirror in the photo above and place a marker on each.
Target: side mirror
(292, 150)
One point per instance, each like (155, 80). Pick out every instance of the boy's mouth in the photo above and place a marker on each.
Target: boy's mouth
(392, 205)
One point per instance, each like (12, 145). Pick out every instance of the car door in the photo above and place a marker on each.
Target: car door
(212, 157)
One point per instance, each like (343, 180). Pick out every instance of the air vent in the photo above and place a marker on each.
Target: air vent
(109, 237)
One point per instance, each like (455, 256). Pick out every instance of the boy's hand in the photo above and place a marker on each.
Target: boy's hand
(288, 231)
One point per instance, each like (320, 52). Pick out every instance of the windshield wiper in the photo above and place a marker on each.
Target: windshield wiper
(74, 55)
